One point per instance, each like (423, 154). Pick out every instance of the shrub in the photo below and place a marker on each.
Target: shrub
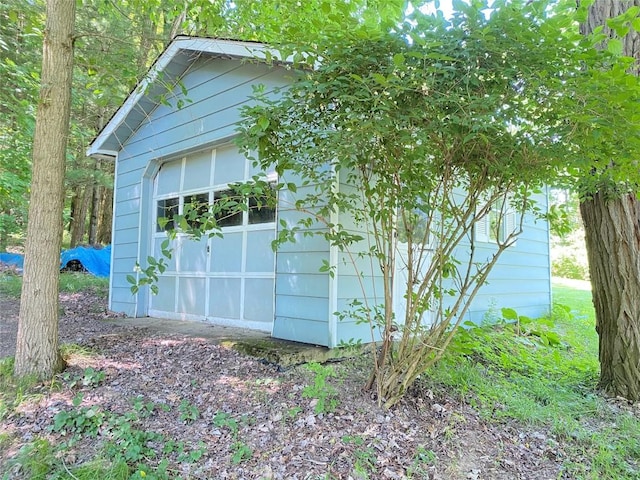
(569, 267)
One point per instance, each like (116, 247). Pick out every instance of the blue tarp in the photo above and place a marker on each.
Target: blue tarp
(12, 259)
(94, 260)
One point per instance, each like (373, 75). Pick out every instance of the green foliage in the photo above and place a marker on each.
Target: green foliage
(364, 456)
(226, 420)
(129, 443)
(89, 378)
(80, 421)
(421, 460)
(70, 282)
(429, 143)
(13, 390)
(146, 472)
(10, 284)
(40, 460)
(547, 385)
(240, 451)
(325, 394)
(188, 412)
(568, 266)
(73, 282)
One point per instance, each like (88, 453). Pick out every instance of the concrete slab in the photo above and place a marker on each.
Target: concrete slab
(261, 345)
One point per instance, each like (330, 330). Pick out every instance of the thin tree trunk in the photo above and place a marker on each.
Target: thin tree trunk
(106, 216)
(93, 217)
(37, 344)
(80, 215)
(612, 234)
(612, 231)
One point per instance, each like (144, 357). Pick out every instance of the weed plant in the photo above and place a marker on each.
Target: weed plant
(510, 373)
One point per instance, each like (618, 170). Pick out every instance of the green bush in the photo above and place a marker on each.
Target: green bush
(569, 267)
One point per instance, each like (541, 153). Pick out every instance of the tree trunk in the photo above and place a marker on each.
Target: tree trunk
(37, 345)
(612, 231)
(93, 217)
(83, 197)
(612, 235)
(106, 216)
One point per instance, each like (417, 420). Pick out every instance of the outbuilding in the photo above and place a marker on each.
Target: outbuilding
(172, 143)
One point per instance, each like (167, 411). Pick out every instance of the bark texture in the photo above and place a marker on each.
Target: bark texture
(37, 343)
(612, 233)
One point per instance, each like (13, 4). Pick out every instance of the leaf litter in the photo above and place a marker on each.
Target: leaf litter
(247, 420)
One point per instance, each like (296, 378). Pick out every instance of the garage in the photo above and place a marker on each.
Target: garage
(228, 280)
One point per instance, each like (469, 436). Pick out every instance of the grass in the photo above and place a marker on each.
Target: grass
(70, 282)
(511, 377)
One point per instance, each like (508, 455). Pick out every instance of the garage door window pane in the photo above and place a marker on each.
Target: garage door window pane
(167, 209)
(260, 210)
(194, 207)
(229, 215)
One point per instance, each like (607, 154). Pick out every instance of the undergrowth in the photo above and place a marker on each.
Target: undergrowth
(70, 282)
(544, 374)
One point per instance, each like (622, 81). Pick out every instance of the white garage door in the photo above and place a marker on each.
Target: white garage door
(227, 280)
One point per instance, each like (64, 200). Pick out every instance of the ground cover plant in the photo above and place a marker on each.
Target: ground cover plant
(514, 399)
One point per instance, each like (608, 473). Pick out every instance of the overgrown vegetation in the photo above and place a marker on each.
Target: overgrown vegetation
(425, 157)
(70, 282)
(509, 374)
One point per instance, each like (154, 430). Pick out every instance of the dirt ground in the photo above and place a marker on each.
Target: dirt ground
(429, 435)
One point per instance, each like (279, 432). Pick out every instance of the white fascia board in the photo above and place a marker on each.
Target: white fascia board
(233, 48)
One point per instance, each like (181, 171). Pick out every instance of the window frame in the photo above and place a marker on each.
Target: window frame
(484, 229)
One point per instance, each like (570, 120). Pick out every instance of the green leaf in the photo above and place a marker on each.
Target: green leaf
(398, 60)
(131, 279)
(381, 79)
(263, 123)
(509, 314)
(614, 46)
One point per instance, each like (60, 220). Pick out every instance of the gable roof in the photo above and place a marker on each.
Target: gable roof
(166, 70)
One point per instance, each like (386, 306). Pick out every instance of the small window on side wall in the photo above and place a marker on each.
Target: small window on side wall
(497, 224)
(167, 209)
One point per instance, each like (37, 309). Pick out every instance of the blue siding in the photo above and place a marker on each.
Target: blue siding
(305, 298)
(302, 306)
(216, 89)
(522, 277)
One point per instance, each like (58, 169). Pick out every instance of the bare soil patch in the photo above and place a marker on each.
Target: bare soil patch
(428, 436)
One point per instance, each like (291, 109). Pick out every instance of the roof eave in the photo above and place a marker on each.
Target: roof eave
(233, 48)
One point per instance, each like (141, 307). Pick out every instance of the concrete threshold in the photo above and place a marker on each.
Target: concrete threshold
(261, 345)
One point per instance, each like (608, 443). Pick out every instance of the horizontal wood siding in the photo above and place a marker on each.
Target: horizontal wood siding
(216, 89)
(302, 292)
(522, 277)
(358, 279)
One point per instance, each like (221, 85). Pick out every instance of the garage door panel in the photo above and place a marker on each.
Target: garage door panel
(226, 253)
(258, 299)
(192, 255)
(260, 256)
(197, 171)
(225, 297)
(229, 166)
(169, 262)
(190, 297)
(165, 300)
(168, 180)
(229, 279)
